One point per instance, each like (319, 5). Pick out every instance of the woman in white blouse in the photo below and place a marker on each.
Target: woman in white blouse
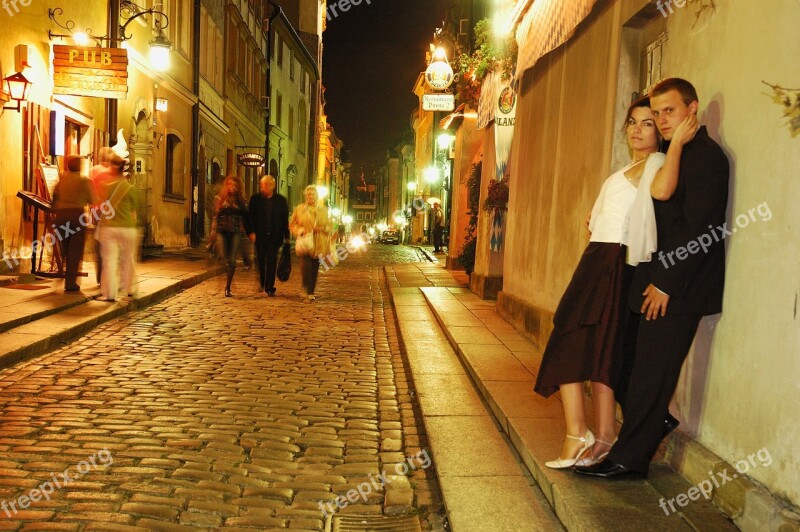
(586, 342)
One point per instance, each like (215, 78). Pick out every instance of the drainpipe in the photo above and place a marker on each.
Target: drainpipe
(194, 215)
(111, 103)
(276, 12)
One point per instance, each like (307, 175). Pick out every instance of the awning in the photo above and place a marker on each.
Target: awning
(447, 122)
(546, 25)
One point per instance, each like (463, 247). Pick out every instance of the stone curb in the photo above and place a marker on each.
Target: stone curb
(9, 357)
(427, 254)
(749, 505)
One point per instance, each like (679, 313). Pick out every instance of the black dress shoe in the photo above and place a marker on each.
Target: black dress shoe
(609, 470)
(271, 292)
(670, 424)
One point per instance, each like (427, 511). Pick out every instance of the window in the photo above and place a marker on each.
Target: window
(303, 82)
(301, 145)
(652, 62)
(279, 109)
(291, 65)
(233, 43)
(173, 174)
(242, 65)
(279, 49)
(291, 122)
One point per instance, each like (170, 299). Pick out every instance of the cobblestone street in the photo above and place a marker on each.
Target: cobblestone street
(208, 412)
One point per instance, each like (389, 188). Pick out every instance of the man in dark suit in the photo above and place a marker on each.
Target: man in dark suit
(268, 215)
(683, 283)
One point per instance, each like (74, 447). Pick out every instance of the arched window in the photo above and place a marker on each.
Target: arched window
(173, 173)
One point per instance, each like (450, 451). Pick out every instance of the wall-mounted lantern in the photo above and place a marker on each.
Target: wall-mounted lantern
(161, 104)
(17, 86)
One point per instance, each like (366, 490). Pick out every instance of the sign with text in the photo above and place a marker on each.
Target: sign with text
(90, 71)
(438, 102)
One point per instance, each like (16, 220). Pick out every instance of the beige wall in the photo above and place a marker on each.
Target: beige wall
(739, 388)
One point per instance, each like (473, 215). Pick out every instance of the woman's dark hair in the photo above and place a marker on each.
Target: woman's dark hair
(644, 101)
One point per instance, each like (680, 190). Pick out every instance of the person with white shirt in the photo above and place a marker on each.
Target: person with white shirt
(588, 325)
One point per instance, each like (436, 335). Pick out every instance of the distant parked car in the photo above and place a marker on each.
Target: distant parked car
(390, 237)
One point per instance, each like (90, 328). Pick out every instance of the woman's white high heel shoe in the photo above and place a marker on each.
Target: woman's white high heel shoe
(563, 463)
(592, 459)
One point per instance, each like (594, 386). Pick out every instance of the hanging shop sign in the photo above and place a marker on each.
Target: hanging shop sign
(251, 160)
(90, 71)
(439, 75)
(438, 102)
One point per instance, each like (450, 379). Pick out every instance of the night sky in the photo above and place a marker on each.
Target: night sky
(372, 57)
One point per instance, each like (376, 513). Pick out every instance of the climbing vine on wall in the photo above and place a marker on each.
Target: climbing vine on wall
(789, 99)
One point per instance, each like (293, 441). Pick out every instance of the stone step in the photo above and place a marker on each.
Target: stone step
(485, 486)
(504, 365)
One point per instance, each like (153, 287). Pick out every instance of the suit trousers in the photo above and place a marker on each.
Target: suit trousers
(71, 245)
(267, 262)
(661, 347)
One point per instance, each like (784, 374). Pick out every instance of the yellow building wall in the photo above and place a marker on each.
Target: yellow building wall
(739, 388)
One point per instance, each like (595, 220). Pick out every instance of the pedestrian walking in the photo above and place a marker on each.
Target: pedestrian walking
(438, 227)
(671, 299)
(588, 325)
(311, 227)
(230, 219)
(268, 215)
(99, 175)
(71, 194)
(118, 234)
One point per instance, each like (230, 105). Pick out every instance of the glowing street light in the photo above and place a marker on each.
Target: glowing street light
(322, 192)
(444, 141)
(336, 212)
(347, 218)
(159, 51)
(412, 186)
(431, 174)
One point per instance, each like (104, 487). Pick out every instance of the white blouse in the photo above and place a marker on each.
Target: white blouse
(624, 214)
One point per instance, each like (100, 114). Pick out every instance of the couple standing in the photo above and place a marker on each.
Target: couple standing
(629, 330)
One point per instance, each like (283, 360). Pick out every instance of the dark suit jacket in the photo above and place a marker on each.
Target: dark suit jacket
(693, 277)
(269, 219)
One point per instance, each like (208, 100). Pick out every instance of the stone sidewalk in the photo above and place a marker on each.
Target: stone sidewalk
(483, 361)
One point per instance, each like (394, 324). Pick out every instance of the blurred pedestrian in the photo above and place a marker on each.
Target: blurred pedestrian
(268, 215)
(118, 235)
(230, 219)
(71, 194)
(311, 226)
(99, 174)
(438, 227)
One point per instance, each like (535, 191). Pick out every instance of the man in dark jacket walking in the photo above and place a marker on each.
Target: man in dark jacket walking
(269, 222)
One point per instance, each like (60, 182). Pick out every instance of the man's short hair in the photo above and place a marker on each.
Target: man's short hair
(74, 163)
(268, 176)
(684, 88)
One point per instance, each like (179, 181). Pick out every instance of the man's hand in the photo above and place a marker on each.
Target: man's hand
(587, 220)
(655, 302)
(252, 237)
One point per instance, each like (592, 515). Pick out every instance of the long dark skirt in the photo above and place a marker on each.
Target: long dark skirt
(588, 326)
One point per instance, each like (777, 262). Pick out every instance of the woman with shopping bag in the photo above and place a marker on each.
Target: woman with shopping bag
(311, 227)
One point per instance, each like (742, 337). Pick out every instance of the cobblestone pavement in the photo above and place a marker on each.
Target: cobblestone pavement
(210, 412)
